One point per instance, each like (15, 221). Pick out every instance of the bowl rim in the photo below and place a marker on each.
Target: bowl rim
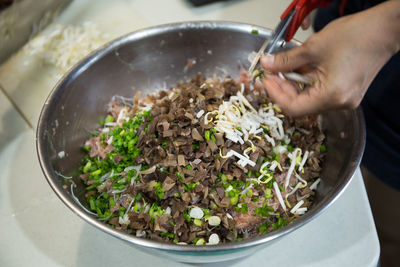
(154, 30)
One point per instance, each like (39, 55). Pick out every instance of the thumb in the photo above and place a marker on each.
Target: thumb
(286, 61)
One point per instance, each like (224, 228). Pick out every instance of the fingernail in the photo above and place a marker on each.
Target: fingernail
(267, 60)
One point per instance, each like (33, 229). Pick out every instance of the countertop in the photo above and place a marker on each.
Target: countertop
(37, 229)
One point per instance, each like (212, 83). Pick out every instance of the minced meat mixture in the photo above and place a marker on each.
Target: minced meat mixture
(206, 162)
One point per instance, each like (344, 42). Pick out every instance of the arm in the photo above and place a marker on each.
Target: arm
(343, 59)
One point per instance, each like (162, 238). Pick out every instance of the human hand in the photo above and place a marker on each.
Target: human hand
(306, 23)
(342, 59)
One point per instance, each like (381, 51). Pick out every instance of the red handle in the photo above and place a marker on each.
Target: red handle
(302, 9)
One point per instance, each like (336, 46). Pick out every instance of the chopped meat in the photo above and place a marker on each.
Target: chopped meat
(196, 135)
(181, 160)
(206, 157)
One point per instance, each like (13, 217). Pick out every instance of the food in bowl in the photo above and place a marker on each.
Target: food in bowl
(207, 162)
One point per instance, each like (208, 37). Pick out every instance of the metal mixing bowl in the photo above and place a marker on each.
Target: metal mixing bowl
(155, 58)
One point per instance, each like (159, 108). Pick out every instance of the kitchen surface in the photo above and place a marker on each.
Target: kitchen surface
(37, 229)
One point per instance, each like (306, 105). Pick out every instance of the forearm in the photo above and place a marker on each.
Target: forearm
(389, 24)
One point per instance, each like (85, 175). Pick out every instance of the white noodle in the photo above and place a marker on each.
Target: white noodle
(293, 157)
(279, 195)
(303, 161)
(297, 206)
(315, 184)
(200, 113)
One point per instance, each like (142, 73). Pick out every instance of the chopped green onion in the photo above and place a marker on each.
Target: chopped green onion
(147, 113)
(197, 222)
(159, 192)
(164, 170)
(231, 193)
(224, 177)
(109, 118)
(186, 216)
(155, 210)
(93, 186)
(97, 172)
(213, 138)
(164, 144)
(289, 148)
(92, 205)
(200, 241)
(322, 148)
(268, 193)
(87, 167)
(234, 200)
(180, 178)
(206, 212)
(244, 208)
(195, 146)
(263, 211)
(135, 208)
(86, 148)
(207, 135)
(263, 228)
(189, 187)
(166, 234)
(281, 188)
(118, 186)
(249, 193)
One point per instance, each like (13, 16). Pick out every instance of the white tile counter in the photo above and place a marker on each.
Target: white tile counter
(37, 229)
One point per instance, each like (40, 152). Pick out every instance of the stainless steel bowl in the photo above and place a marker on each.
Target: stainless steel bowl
(155, 58)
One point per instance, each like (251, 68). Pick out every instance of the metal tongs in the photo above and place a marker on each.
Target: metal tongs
(291, 20)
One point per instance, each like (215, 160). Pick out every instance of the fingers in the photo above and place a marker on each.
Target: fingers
(279, 90)
(306, 23)
(295, 104)
(286, 61)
